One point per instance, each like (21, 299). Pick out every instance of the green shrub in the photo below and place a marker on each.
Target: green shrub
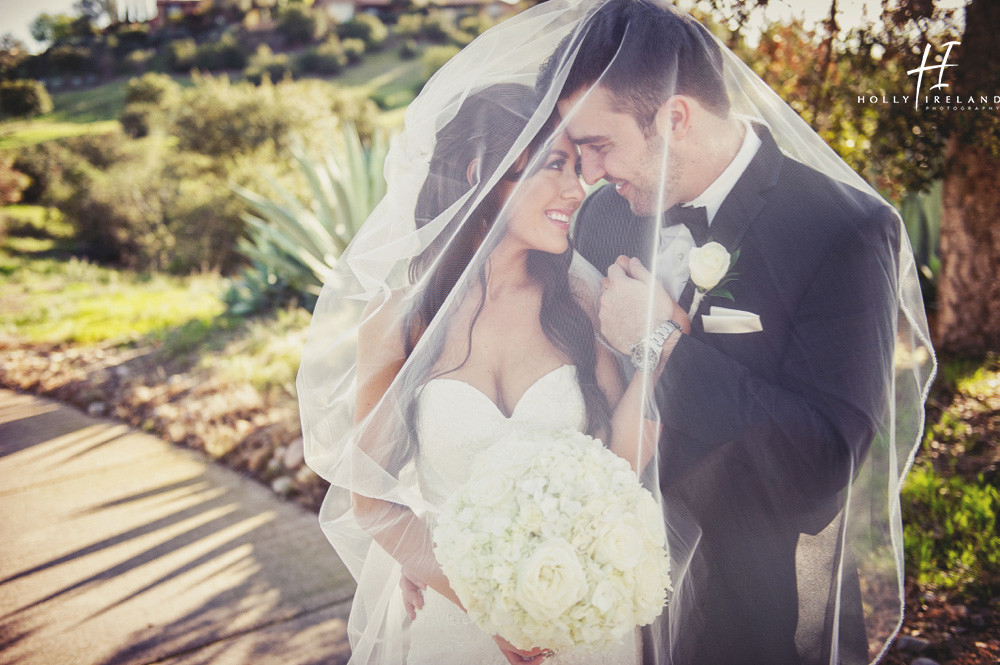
(475, 25)
(409, 49)
(219, 118)
(223, 54)
(436, 27)
(181, 54)
(12, 182)
(152, 88)
(354, 49)
(132, 35)
(460, 38)
(435, 57)
(139, 119)
(266, 64)
(408, 26)
(326, 58)
(137, 62)
(46, 164)
(72, 60)
(24, 98)
(367, 28)
(300, 25)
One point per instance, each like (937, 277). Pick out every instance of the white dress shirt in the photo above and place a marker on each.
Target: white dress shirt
(676, 242)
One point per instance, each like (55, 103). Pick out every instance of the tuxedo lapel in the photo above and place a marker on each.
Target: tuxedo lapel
(748, 196)
(740, 208)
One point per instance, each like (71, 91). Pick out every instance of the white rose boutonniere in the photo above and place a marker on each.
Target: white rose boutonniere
(711, 269)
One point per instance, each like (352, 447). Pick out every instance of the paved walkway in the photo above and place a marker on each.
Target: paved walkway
(117, 548)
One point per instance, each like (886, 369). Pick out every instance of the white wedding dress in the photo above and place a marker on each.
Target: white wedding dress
(455, 422)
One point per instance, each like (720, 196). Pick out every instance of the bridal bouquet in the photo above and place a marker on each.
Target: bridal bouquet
(553, 542)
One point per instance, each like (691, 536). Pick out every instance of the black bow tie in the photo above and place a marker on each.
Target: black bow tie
(696, 219)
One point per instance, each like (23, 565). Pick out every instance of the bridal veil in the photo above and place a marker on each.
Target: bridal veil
(485, 120)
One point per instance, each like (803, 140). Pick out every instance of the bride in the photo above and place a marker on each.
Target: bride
(517, 348)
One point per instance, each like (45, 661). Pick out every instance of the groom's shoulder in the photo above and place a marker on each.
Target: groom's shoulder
(834, 204)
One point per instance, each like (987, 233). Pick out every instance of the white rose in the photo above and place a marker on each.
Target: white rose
(619, 545)
(489, 491)
(651, 519)
(709, 264)
(551, 580)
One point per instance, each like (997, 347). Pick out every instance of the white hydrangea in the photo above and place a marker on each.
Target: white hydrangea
(553, 543)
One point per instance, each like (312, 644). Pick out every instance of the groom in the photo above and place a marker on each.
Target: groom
(766, 420)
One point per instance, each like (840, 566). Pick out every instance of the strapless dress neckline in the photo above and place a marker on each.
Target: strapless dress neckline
(539, 383)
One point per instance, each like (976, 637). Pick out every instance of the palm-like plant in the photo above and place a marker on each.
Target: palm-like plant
(293, 245)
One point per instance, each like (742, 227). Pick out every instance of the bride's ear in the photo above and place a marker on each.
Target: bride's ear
(472, 172)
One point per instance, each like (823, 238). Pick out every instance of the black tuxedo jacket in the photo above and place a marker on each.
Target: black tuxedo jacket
(763, 431)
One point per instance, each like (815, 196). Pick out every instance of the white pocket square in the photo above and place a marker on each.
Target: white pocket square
(725, 320)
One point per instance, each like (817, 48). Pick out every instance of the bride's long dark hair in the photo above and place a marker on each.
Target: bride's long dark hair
(482, 132)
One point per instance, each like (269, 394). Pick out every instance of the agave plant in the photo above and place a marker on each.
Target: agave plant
(921, 212)
(293, 245)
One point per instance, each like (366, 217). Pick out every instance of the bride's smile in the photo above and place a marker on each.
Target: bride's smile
(541, 206)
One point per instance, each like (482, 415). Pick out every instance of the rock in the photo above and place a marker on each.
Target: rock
(977, 620)
(282, 485)
(924, 661)
(295, 454)
(97, 409)
(910, 644)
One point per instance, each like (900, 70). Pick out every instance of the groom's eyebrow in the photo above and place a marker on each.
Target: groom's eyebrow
(586, 139)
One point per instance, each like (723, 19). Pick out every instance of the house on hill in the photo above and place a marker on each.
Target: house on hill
(169, 10)
(344, 10)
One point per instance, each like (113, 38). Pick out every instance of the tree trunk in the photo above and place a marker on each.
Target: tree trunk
(969, 284)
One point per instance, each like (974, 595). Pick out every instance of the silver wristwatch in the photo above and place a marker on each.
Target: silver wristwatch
(646, 352)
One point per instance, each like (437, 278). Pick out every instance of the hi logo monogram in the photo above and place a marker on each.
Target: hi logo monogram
(919, 71)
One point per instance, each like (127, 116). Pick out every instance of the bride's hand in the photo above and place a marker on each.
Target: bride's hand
(516, 656)
(413, 594)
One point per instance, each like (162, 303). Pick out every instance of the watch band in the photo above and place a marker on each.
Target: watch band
(663, 332)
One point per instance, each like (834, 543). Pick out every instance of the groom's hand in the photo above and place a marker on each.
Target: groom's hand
(626, 294)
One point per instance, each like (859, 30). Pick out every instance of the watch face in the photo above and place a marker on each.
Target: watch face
(644, 357)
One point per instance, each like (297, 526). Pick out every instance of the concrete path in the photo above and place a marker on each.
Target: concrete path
(117, 548)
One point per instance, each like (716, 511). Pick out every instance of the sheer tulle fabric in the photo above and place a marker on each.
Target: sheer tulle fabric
(782, 449)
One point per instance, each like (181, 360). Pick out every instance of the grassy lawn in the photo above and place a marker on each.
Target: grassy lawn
(91, 111)
(383, 75)
(53, 300)
(49, 297)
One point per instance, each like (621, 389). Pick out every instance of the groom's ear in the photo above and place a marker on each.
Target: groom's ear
(472, 172)
(673, 117)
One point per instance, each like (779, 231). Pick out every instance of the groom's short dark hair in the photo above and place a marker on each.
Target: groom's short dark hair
(643, 51)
